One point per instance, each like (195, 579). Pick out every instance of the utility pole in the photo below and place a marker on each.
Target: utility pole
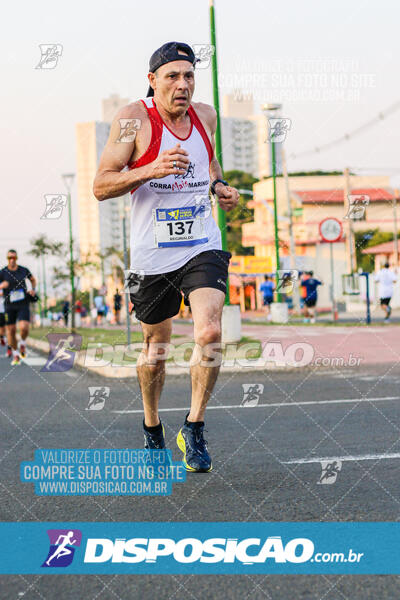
(68, 180)
(292, 246)
(278, 294)
(395, 232)
(350, 244)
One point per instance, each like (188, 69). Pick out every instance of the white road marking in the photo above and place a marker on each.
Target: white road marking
(272, 405)
(303, 461)
(34, 361)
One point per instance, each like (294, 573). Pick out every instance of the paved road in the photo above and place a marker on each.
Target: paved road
(267, 465)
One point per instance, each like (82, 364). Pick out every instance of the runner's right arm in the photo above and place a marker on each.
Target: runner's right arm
(110, 182)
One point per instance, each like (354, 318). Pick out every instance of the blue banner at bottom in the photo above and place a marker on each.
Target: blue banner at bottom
(196, 548)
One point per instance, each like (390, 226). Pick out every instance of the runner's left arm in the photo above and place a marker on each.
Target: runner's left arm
(33, 282)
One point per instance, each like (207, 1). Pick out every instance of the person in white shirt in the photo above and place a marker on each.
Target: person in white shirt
(386, 278)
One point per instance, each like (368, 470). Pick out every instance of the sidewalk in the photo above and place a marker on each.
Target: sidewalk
(369, 345)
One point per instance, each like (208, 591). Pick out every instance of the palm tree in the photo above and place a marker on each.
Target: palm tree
(40, 247)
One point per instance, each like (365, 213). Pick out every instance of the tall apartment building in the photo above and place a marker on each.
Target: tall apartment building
(100, 223)
(244, 134)
(110, 106)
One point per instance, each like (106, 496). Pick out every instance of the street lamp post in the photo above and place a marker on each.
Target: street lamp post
(126, 267)
(268, 109)
(68, 181)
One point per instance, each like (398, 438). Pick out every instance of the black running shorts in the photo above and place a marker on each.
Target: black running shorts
(158, 297)
(385, 301)
(17, 313)
(310, 302)
(2, 319)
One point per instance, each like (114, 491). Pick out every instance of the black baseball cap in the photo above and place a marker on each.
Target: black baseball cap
(168, 53)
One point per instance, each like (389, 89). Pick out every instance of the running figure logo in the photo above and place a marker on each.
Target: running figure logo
(203, 54)
(63, 347)
(189, 172)
(97, 397)
(251, 393)
(286, 281)
(128, 129)
(50, 53)
(54, 206)
(330, 471)
(357, 206)
(63, 543)
(133, 279)
(278, 129)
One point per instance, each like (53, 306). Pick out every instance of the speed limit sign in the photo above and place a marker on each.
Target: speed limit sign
(330, 230)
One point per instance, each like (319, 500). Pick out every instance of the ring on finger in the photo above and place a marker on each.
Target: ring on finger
(174, 164)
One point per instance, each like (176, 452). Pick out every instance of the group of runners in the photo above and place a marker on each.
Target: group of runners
(308, 294)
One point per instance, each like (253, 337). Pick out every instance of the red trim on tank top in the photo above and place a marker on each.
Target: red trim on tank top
(155, 142)
(170, 130)
(200, 128)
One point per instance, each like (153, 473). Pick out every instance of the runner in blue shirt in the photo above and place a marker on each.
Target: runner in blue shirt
(267, 290)
(311, 284)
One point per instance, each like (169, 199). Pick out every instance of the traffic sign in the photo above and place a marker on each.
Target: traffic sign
(331, 230)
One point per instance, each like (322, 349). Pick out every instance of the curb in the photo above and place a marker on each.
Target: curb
(128, 372)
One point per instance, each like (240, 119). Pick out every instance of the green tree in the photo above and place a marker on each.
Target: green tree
(41, 247)
(241, 213)
(366, 239)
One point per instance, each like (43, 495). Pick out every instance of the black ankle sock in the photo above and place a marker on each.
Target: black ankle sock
(198, 423)
(155, 429)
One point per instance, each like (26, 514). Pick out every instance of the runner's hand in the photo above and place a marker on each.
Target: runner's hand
(163, 165)
(228, 197)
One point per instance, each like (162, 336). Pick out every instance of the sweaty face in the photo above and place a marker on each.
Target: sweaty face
(174, 85)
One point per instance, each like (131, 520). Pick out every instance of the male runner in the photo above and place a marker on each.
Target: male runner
(175, 242)
(386, 279)
(13, 282)
(310, 302)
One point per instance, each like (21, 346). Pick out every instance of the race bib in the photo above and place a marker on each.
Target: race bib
(179, 226)
(17, 295)
(2, 308)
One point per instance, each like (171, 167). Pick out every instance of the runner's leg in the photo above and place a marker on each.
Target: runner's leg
(23, 329)
(206, 305)
(151, 372)
(11, 336)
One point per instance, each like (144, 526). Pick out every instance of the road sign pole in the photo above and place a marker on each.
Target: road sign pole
(333, 299)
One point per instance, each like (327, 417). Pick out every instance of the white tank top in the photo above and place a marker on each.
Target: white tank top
(171, 218)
